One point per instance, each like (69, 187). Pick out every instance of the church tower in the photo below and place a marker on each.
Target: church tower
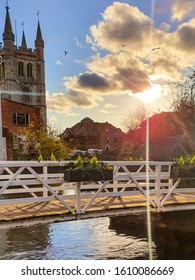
(22, 70)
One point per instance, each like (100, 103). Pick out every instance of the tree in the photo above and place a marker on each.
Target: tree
(45, 142)
(133, 120)
(185, 99)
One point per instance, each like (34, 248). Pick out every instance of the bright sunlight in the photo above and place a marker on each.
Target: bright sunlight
(150, 95)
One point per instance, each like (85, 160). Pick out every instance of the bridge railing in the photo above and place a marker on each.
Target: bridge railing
(33, 182)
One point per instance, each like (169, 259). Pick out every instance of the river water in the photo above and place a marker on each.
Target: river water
(93, 239)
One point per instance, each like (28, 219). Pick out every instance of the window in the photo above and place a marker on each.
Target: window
(29, 70)
(21, 119)
(21, 69)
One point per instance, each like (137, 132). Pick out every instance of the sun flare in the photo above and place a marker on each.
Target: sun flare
(149, 95)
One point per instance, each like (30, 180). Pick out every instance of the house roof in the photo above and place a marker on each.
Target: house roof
(90, 128)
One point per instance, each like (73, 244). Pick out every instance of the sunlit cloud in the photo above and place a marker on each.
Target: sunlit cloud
(110, 106)
(78, 43)
(182, 9)
(58, 62)
(103, 111)
(129, 64)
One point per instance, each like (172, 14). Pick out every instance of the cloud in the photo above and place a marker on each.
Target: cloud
(78, 43)
(109, 106)
(164, 27)
(82, 99)
(185, 36)
(127, 69)
(58, 62)
(129, 28)
(182, 9)
(104, 111)
(94, 81)
(53, 118)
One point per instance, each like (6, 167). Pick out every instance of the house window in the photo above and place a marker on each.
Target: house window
(29, 70)
(21, 119)
(21, 69)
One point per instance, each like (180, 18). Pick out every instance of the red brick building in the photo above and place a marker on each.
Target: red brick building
(88, 134)
(15, 117)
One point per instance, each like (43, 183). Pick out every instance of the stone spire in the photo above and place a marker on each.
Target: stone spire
(24, 46)
(8, 33)
(39, 40)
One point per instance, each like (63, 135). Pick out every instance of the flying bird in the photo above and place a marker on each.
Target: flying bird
(157, 48)
(123, 45)
(65, 53)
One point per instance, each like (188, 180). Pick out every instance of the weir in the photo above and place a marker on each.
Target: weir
(35, 192)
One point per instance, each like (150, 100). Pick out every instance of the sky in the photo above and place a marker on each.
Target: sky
(119, 53)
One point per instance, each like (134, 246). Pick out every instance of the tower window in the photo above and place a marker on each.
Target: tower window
(21, 119)
(21, 69)
(29, 70)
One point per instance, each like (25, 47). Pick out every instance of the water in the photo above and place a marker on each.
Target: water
(122, 238)
(81, 240)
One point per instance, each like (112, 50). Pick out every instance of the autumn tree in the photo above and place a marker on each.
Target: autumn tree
(45, 142)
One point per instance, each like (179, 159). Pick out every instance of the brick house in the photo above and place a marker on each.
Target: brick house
(16, 116)
(88, 134)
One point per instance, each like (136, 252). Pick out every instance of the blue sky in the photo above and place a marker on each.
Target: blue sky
(109, 62)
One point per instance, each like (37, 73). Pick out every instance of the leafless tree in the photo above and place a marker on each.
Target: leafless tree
(133, 120)
(184, 100)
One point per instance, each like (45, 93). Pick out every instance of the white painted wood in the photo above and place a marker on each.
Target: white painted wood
(78, 197)
(125, 183)
(157, 184)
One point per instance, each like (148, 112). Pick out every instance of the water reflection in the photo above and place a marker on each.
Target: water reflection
(103, 238)
(84, 239)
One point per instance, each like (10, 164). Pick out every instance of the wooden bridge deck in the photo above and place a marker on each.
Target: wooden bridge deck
(102, 206)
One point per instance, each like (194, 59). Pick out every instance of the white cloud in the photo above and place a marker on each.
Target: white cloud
(78, 43)
(58, 62)
(182, 9)
(104, 111)
(109, 105)
(127, 69)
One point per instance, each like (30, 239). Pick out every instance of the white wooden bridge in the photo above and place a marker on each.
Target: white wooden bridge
(31, 192)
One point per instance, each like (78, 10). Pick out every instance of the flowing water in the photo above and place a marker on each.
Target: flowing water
(93, 239)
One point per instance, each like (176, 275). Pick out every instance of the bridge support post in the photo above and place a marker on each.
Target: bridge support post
(78, 197)
(45, 193)
(157, 185)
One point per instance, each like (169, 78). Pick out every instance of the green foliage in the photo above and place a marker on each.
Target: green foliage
(45, 142)
(40, 158)
(185, 161)
(94, 160)
(88, 168)
(130, 158)
(52, 157)
(79, 161)
(141, 158)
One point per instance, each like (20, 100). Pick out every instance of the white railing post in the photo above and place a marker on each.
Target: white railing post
(115, 183)
(78, 197)
(157, 184)
(45, 190)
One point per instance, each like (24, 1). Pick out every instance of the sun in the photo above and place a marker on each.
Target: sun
(149, 95)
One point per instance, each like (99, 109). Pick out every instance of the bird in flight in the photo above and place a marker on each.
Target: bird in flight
(157, 48)
(123, 45)
(65, 53)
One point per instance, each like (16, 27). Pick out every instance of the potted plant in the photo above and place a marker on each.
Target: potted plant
(87, 170)
(183, 167)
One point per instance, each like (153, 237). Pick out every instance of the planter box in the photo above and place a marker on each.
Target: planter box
(178, 172)
(79, 176)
